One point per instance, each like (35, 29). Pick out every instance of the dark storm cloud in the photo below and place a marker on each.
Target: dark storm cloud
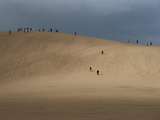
(113, 19)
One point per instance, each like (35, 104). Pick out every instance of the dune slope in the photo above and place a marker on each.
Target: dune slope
(46, 76)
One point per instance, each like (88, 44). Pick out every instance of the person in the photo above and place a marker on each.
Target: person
(30, 30)
(57, 30)
(97, 72)
(27, 29)
(51, 30)
(150, 43)
(90, 68)
(43, 29)
(10, 32)
(102, 52)
(19, 30)
(75, 33)
(137, 41)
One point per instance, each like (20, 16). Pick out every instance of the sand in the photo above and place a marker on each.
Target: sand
(46, 76)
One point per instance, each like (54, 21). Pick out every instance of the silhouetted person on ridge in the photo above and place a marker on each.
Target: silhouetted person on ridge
(51, 30)
(43, 30)
(137, 41)
(75, 33)
(57, 30)
(30, 30)
(27, 29)
(18, 29)
(10, 32)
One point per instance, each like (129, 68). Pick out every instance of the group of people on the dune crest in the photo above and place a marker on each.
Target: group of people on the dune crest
(97, 71)
(26, 29)
(30, 29)
(147, 43)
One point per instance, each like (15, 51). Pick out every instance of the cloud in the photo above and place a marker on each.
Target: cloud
(113, 19)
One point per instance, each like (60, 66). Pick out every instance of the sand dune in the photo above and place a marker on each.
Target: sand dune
(46, 76)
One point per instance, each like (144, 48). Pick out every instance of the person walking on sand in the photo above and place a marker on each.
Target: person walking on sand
(102, 52)
(10, 32)
(97, 72)
(90, 68)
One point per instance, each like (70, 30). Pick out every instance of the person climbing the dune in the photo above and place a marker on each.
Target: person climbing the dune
(90, 68)
(97, 72)
(102, 52)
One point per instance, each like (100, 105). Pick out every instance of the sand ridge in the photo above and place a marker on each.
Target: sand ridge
(38, 70)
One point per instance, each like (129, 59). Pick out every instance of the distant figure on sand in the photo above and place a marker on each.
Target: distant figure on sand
(43, 29)
(10, 32)
(27, 29)
(97, 72)
(90, 68)
(150, 43)
(102, 52)
(137, 41)
(75, 33)
(51, 30)
(30, 29)
(19, 29)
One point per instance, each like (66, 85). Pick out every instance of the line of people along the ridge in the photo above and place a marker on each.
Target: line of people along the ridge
(30, 29)
(142, 42)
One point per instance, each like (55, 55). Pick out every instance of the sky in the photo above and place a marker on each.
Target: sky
(110, 19)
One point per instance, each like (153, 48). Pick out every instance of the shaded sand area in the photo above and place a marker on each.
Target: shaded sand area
(46, 76)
